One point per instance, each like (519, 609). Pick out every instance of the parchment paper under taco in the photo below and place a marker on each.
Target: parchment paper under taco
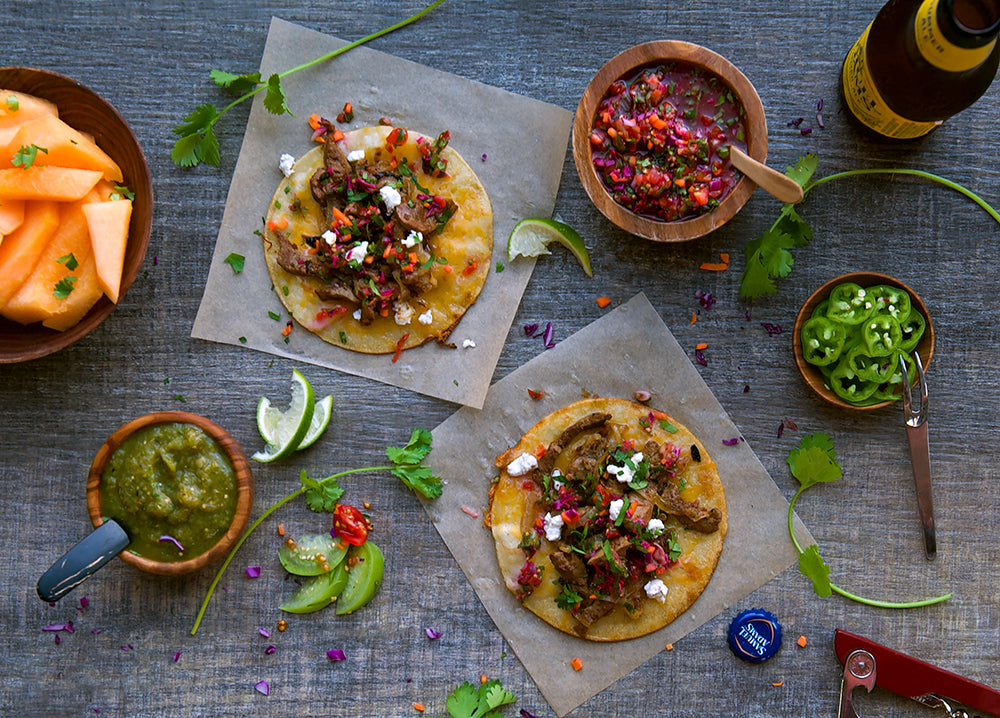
(426, 257)
(592, 575)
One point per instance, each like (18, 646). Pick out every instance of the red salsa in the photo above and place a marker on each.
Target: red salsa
(660, 141)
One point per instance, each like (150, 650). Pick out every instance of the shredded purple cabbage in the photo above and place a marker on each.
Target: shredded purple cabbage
(262, 687)
(253, 571)
(177, 656)
(705, 299)
(781, 429)
(84, 602)
(525, 713)
(547, 336)
(67, 626)
(746, 388)
(336, 654)
(530, 330)
(171, 539)
(771, 329)
(700, 356)
(269, 650)
(264, 632)
(432, 634)
(731, 442)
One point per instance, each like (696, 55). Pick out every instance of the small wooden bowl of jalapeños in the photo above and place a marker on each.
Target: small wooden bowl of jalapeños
(855, 367)
(179, 485)
(651, 140)
(87, 112)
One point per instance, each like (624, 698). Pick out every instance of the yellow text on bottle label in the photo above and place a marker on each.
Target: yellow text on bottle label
(865, 102)
(941, 52)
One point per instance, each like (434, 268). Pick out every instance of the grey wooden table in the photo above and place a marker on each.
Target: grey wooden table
(151, 60)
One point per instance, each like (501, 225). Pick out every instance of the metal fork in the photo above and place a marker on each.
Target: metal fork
(915, 419)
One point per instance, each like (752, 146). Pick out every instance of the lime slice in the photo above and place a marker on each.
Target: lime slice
(320, 420)
(284, 431)
(531, 238)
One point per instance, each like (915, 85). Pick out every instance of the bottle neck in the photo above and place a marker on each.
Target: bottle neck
(957, 35)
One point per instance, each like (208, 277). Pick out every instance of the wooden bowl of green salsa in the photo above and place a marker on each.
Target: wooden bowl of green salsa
(179, 485)
(652, 136)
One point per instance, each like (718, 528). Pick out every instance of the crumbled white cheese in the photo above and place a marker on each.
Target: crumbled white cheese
(330, 237)
(286, 163)
(357, 254)
(355, 155)
(404, 313)
(357, 315)
(413, 238)
(656, 589)
(655, 527)
(390, 196)
(426, 318)
(468, 344)
(637, 458)
(522, 465)
(615, 508)
(553, 526)
(623, 473)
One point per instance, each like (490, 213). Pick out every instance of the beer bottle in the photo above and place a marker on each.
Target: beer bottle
(920, 62)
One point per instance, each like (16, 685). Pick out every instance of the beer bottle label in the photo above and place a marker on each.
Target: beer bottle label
(939, 50)
(866, 103)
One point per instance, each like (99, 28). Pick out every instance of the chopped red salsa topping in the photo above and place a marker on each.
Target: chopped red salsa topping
(660, 141)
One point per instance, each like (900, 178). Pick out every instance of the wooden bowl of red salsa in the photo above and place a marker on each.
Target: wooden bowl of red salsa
(651, 140)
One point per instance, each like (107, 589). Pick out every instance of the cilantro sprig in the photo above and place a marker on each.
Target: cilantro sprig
(321, 495)
(768, 256)
(468, 701)
(198, 142)
(814, 462)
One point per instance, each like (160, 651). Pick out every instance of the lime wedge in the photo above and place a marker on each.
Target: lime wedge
(284, 431)
(531, 238)
(322, 412)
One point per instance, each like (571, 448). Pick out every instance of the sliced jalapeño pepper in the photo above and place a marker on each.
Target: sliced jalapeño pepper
(822, 340)
(912, 329)
(890, 300)
(849, 304)
(849, 386)
(866, 366)
(892, 389)
(820, 310)
(882, 335)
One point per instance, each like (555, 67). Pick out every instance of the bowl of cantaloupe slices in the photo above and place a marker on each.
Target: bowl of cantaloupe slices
(76, 207)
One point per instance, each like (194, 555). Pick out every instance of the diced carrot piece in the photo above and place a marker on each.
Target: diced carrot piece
(35, 300)
(603, 301)
(108, 228)
(21, 249)
(11, 215)
(65, 147)
(47, 183)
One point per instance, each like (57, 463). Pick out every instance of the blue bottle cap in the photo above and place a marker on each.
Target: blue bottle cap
(755, 635)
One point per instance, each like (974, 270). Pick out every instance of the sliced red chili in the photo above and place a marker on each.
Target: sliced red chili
(350, 524)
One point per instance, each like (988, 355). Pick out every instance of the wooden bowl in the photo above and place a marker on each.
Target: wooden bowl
(244, 489)
(87, 112)
(632, 60)
(812, 375)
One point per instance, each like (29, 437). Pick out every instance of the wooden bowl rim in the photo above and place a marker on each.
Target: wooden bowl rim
(48, 341)
(812, 375)
(646, 54)
(244, 489)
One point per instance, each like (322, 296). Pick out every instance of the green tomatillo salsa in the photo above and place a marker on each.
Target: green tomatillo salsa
(173, 489)
(660, 141)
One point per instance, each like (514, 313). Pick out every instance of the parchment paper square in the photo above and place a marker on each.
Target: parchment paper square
(517, 147)
(630, 348)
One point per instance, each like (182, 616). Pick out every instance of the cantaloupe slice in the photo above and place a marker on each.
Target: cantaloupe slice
(16, 108)
(108, 223)
(20, 250)
(85, 295)
(43, 182)
(11, 215)
(66, 251)
(64, 147)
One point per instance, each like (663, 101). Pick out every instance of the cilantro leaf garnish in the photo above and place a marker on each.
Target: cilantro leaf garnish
(768, 256)
(198, 142)
(322, 495)
(813, 462)
(235, 261)
(69, 260)
(13, 104)
(568, 598)
(467, 701)
(64, 287)
(121, 191)
(25, 157)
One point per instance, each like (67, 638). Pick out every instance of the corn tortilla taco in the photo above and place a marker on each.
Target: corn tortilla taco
(608, 519)
(379, 241)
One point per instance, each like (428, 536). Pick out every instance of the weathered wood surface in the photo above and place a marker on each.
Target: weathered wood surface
(151, 60)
